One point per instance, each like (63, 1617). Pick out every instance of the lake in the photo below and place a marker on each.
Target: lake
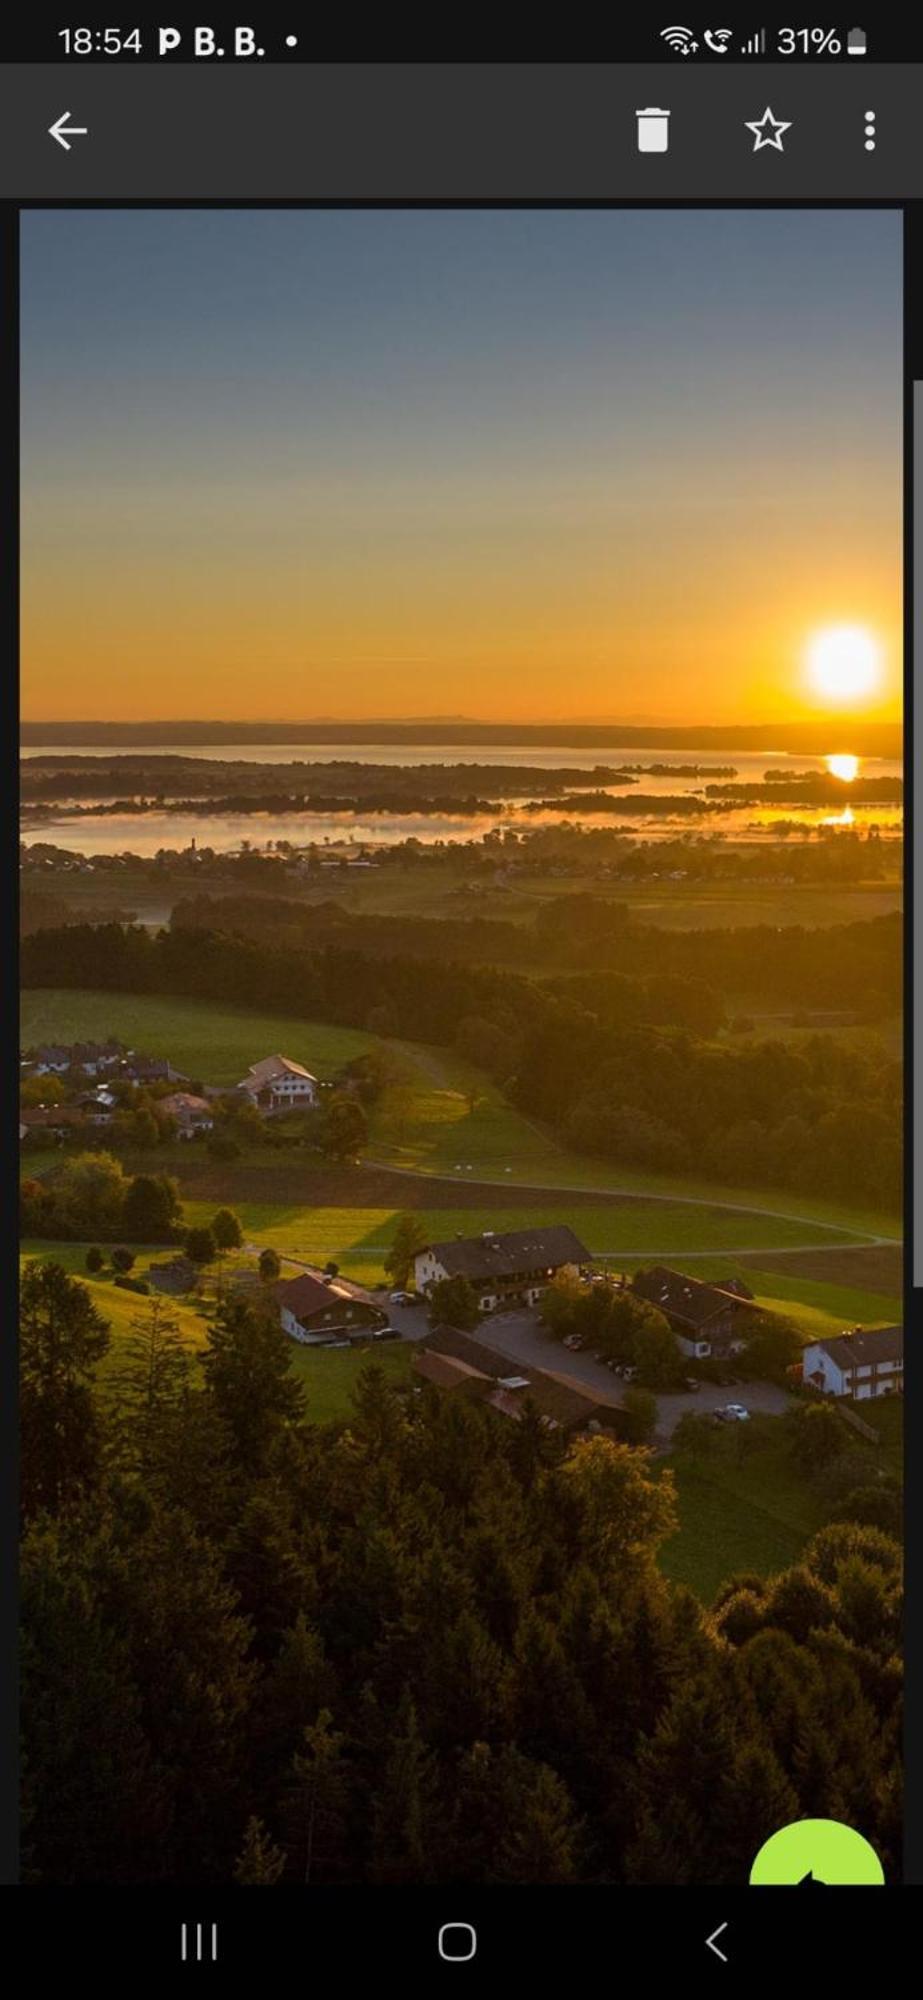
(145, 833)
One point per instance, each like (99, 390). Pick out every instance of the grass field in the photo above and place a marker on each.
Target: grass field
(421, 892)
(405, 892)
(758, 1520)
(216, 1044)
(328, 1375)
(755, 1512)
(359, 1237)
(439, 1114)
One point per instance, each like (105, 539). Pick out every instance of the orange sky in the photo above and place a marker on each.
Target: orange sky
(517, 467)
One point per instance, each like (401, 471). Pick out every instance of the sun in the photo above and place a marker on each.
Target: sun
(843, 664)
(842, 764)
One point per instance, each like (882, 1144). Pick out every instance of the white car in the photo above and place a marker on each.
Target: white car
(401, 1299)
(733, 1413)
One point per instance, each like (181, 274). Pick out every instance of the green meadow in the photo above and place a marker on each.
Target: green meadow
(755, 1511)
(438, 1115)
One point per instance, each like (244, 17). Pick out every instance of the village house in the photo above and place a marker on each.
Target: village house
(278, 1084)
(509, 1268)
(313, 1309)
(192, 1114)
(455, 1363)
(94, 1058)
(859, 1364)
(57, 1120)
(149, 1069)
(98, 1107)
(703, 1316)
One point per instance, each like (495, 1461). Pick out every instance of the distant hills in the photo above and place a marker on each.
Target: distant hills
(815, 737)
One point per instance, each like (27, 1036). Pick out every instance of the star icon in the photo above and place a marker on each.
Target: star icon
(767, 131)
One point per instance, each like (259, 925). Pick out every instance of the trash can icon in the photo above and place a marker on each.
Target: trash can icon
(653, 129)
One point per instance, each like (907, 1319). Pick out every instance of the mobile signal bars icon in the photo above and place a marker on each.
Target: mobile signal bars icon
(682, 40)
(756, 46)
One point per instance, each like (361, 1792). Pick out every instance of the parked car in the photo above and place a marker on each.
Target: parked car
(733, 1413)
(385, 1333)
(615, 1366)
(402, 1298)
(629, 1373)
(692, 1383)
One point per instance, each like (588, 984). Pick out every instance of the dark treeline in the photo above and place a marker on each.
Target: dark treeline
(382, 800)
(820, 1116)
(843, 965)
(814, 789)
(643, 805)
(429, 1645)
(61, 777)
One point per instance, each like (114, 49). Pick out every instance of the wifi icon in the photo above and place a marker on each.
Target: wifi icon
(680, 39)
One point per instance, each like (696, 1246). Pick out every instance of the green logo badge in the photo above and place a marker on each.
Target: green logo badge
(815, 1852)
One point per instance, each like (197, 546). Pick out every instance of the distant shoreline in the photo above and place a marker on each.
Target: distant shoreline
(814, 738)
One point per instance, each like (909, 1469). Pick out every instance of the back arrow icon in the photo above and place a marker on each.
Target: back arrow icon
(63, 132)
(710, 1942)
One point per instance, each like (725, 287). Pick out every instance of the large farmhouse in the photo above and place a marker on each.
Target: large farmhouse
(702, 1316)
(512, 1268)
(278, 1084)
(313, 1309)
(857, 1364)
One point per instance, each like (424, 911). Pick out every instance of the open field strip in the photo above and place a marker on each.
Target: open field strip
(439, 1115)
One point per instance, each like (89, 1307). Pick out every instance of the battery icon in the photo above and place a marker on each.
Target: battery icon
(653, 129)
(856, 42)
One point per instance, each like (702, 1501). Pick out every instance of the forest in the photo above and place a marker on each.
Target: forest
(627, 1073)
(422, 1645)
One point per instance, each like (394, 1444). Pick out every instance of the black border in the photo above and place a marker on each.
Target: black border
(180, 1904)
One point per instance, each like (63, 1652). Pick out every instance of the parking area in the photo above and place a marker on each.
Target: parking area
(762, 1398)
(521, 1335)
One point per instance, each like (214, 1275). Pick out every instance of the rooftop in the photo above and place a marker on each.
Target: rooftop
(307, 1294)
(861, 1348)
(504, 1255)
(272, 1067)
(689, 1300)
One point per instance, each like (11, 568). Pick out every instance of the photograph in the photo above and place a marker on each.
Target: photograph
(461, 933)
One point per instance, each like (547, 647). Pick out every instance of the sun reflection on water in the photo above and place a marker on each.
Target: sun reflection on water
(843, 765)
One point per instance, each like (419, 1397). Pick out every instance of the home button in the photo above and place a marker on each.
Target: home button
(457, 1943)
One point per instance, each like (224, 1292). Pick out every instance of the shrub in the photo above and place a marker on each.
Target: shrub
(94, 1258)
(131, 1284)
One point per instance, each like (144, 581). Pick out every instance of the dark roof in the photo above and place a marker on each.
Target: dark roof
(460, 1346)
(53, 1116)
(306, 1295)
(855, 1350)
(686, 1299)
(503, 1255)
(560, 1398)
(447, 1372)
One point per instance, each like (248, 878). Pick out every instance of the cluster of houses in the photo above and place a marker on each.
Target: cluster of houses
(273, 1085)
